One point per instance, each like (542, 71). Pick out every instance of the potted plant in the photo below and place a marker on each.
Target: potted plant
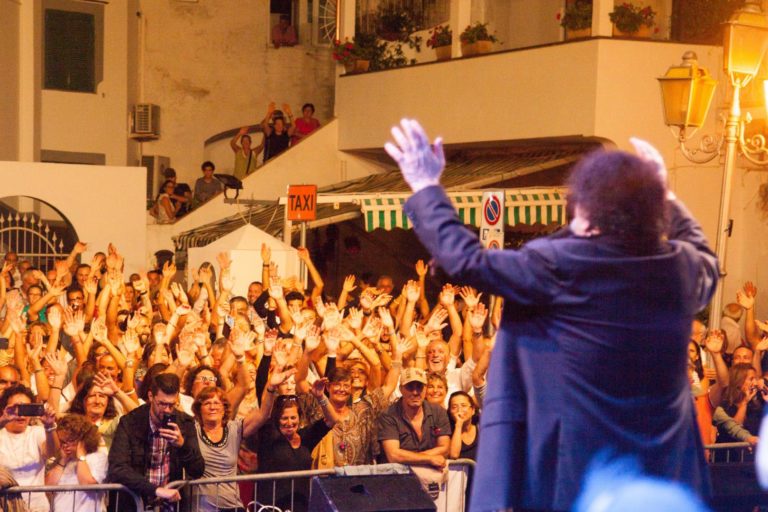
(632, 20)
(577, 19)
(476, 39)
(353, 55)
(440, 38)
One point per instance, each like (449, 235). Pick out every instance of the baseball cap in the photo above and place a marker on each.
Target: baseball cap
(413, 375)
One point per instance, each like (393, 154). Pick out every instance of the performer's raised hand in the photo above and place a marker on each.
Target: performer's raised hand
(420, 162)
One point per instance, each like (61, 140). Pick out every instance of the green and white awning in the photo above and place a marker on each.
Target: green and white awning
(526, 206)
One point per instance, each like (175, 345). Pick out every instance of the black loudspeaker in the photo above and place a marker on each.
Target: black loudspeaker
(371, 493)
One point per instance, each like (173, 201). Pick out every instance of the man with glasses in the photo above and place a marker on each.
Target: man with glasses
(154, 445)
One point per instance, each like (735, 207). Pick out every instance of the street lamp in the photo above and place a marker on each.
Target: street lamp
(687, 92)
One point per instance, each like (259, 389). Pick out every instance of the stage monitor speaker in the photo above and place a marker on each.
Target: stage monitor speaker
(370, 493)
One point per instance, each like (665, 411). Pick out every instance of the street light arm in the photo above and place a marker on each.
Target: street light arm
(709, 148)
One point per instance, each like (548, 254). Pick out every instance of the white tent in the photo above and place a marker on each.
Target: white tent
(244, 248)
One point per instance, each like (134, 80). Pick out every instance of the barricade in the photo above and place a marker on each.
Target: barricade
(452, 491)
(26, 492)
(734, 482)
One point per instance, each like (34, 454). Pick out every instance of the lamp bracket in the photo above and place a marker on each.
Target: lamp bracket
(707, 149)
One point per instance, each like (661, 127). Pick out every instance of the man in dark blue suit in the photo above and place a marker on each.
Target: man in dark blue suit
(591, 354)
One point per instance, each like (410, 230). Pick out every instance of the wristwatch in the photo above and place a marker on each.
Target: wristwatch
(130, 363)
(81, 458)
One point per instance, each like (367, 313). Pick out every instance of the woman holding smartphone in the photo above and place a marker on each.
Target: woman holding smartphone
(24, 448)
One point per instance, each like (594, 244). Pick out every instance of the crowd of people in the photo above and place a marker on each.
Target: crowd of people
(142, 380)
(279, 132)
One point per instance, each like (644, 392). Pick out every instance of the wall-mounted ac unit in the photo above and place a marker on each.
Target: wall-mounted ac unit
(155, 166)
(145, 121)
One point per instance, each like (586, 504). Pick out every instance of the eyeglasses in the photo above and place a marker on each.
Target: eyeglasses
(165, 405)
(209, 404)
(286, 398)
(204, 379)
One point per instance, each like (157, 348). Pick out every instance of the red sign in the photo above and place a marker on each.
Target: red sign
(302, 202)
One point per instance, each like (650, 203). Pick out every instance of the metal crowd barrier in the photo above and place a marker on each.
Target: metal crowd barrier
(733, 477)
(459, 469)
(25, 492)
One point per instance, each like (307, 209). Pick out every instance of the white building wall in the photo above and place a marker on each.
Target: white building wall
(104, 204)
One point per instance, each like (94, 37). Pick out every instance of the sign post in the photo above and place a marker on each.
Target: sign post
(302, 207)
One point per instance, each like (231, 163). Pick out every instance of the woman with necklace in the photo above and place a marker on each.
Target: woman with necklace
(219, 438)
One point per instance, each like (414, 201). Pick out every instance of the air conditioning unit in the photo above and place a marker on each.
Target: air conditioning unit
(145, 121)
(155, 166)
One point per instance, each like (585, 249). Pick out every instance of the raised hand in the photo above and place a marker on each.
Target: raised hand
(372, 329)
(349, 283)
(266, 254)
(312, 340)
(185, 357)
(421, 269)
(412, 291)
(355, 318)
(131, 342)
(303, 254)
(241, 343)
(332, 317)
(420, 162)
(74, 322)
(57, 363)
(447, 295)
(437, 321)
(270, 338)
(224, 261)
(750, 289)
(54, 317)
(106, 383)
(386, 318)
(258, 325)
(714, 341)
(470, 296)
(276, 291)
(477, 317)
(332, 341)
(318, 388)
(99, 329)
(278, 377)
(746, 301)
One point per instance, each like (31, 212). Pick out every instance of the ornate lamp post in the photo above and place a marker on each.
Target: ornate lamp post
(687, 92)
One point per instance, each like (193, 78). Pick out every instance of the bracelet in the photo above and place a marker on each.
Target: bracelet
(322, 401)
(55, 387)
(240, 360)
(273, 390)
(51, 428)
(397, 364)
(131, 392)
(421, 357)
(38, 370)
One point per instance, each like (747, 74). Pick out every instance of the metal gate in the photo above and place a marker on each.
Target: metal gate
(31, 238)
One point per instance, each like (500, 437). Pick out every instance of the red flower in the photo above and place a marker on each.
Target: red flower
(558, 16)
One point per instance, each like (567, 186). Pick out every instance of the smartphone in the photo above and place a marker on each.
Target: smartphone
(30, 409)
(4, 343)
(167, 419)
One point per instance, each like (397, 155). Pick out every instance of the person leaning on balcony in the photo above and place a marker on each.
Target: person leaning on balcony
(207, 186)
(245, 156)
(277, 133)
(164, 210)
(283, 34)
(155, 445)
(306, 124)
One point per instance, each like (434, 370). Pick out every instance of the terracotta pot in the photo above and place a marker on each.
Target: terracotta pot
(443, 52)
(476, 48)
(644, 32)
(357, 66)
(580, 33)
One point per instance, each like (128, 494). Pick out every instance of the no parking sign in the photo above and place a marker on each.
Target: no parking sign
(492, 220)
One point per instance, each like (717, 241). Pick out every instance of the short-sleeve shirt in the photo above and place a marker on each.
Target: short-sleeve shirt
(394, 425)
(82, 501)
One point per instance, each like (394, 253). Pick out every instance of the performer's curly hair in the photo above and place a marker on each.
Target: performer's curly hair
(623, 197)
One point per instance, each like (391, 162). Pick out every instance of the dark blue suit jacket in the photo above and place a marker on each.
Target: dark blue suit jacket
(590, 356)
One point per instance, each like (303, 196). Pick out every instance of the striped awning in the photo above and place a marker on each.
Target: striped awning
(524, 206)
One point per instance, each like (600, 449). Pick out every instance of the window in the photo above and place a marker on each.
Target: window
(70, 51)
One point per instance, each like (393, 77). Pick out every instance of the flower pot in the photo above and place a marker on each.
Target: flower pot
(644, 32)
(443, 52)
(579, 33)
(357, 66)
(476, 48)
